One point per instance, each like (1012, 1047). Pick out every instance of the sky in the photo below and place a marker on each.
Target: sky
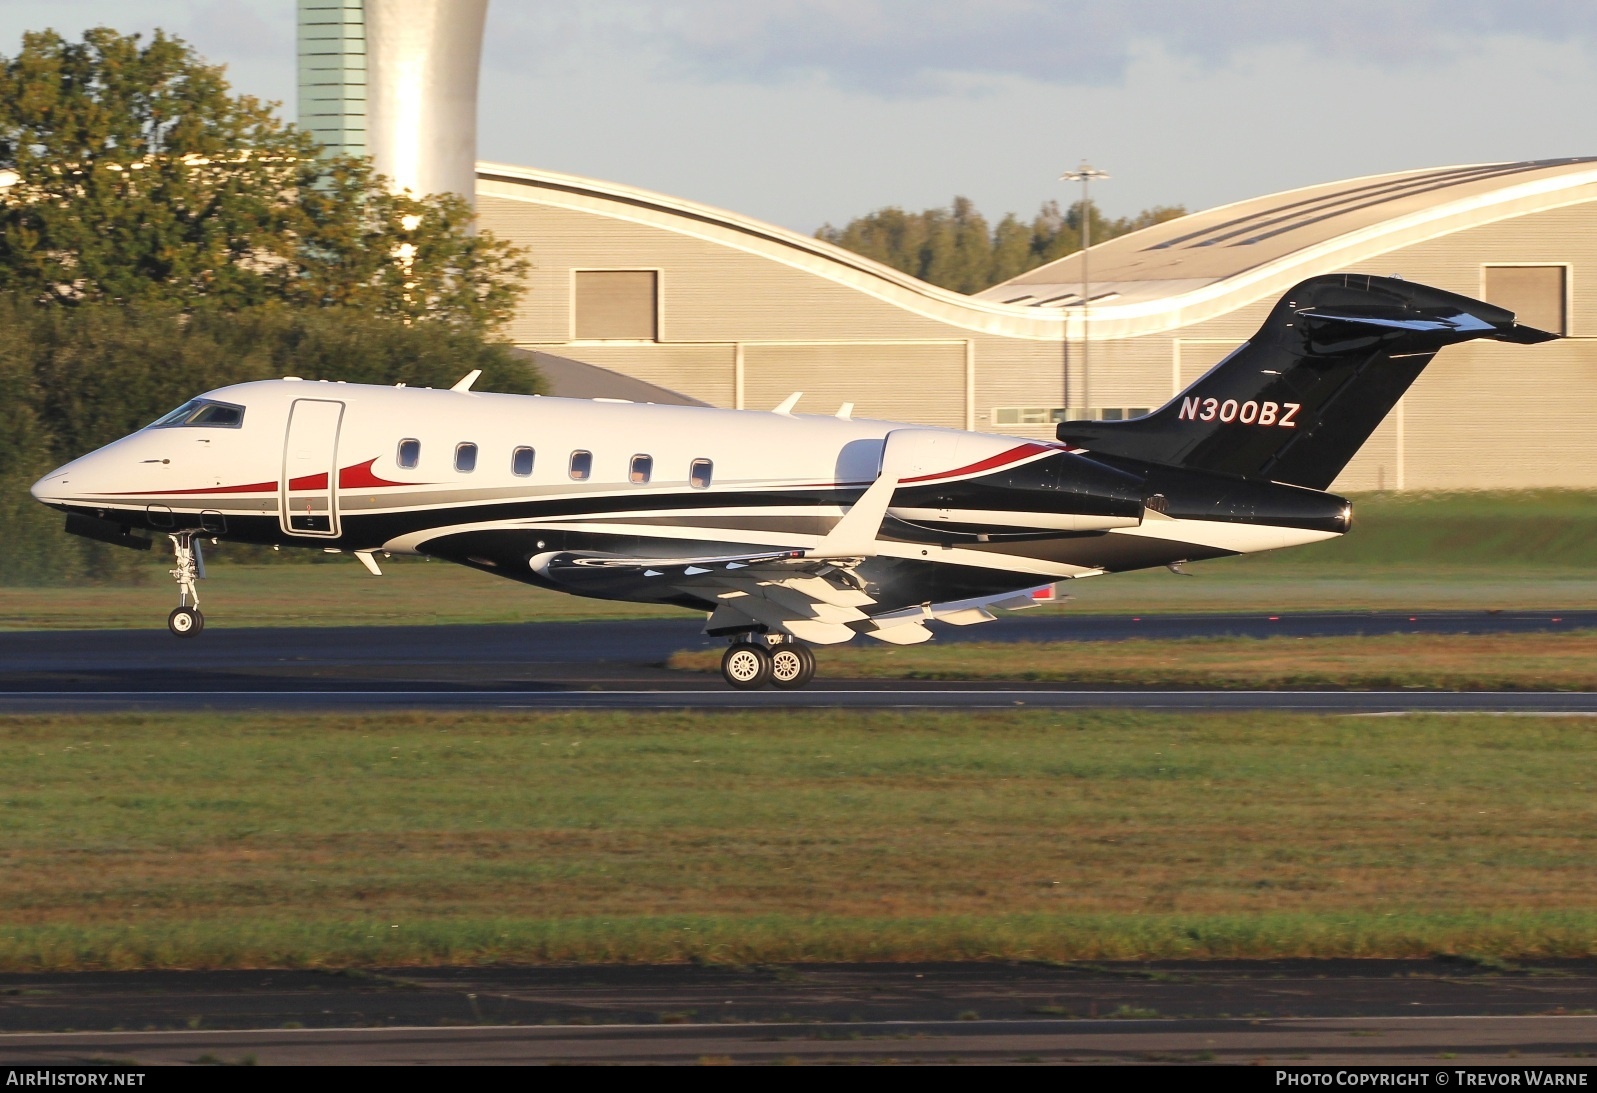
(803, 112)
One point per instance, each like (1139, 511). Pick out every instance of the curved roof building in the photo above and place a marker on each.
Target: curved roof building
(735, 312)
(640, 295)
(1212, 262)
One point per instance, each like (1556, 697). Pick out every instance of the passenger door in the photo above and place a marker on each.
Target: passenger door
(309, 491)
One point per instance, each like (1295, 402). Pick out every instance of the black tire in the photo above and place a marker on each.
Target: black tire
(792, 666)
(185, 622)
(746, 666)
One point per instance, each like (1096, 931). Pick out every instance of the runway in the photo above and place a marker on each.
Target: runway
(898, 696)
(1453, 1043)
(619, 665)
(1285, 1012)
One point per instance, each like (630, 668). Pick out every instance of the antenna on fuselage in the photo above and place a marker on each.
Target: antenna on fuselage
(464, 382)
(787, 404)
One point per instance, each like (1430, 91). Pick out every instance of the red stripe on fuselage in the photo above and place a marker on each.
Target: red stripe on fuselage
(360, 477)
(357, 477)
(257, 487)
(1013, 455)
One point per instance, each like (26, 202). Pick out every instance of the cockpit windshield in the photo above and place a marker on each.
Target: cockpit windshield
(204, 413)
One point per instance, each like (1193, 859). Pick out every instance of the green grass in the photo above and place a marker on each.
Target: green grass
(1448, 551)
(1553, 661)
(202, 841)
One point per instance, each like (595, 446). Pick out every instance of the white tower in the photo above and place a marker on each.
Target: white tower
(406, 86)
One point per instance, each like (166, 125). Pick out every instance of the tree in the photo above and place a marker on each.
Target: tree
(74, 378)
(136, 176)
(954, 249)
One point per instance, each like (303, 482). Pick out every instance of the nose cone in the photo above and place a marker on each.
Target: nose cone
(73, 483)
(52, 488)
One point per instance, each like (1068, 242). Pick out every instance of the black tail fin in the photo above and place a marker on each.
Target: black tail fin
(1299, 399)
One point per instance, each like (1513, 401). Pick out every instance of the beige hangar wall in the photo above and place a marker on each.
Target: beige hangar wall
(738, 328)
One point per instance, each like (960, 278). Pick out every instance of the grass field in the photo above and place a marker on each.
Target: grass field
(196, 841)
(1451, 662)
(410, 592)
(1406, 552)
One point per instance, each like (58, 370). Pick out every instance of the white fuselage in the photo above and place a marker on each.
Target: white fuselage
(358, 467)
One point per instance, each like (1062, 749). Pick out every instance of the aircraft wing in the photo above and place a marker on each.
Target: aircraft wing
(811, 593)
(816, 599)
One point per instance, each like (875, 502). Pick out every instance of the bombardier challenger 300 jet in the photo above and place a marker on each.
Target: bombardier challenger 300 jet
(787, 530)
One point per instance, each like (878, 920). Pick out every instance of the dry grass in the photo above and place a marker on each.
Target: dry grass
(1469, 662)
(192, 841)
(410, 592)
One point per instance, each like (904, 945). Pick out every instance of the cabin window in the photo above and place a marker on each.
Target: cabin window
(409, 454)
(202, 413)
(581, 465)
(699, 474)
(465, 458)
(642, 468)
(521, 462)
(616, 305)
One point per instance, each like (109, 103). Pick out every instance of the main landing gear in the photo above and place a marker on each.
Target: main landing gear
(185, 620)
(749, 665)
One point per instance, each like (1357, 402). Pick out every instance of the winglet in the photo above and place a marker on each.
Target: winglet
(465, 382)
(854, 536)
(787, 404)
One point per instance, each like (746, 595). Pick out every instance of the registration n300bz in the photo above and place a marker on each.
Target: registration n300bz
(1279, 414)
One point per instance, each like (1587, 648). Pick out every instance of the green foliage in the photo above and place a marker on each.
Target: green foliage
(138, 177)
(75, 378)
(954, 248)
(161, 236)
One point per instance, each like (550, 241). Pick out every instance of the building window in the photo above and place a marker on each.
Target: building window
(465, 458)
(1052, 415)
(1535, 294)
(521, 462)
(409, 454)
(642, 468)
(699, 473)
(616, 305)
(581, 465)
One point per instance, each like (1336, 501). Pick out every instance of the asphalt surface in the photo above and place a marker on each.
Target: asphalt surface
(1358, 1012)
(620, 665)
(1342, 1012)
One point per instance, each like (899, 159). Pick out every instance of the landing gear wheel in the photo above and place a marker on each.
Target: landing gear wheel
(792, 665)
(185, 622)
(746, 666)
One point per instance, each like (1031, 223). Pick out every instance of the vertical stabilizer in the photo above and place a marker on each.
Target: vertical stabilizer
(1296, 402)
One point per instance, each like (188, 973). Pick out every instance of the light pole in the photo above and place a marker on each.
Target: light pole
(1084, 175)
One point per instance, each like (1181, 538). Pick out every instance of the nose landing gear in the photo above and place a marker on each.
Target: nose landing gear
(749, 665)
(185, 620)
